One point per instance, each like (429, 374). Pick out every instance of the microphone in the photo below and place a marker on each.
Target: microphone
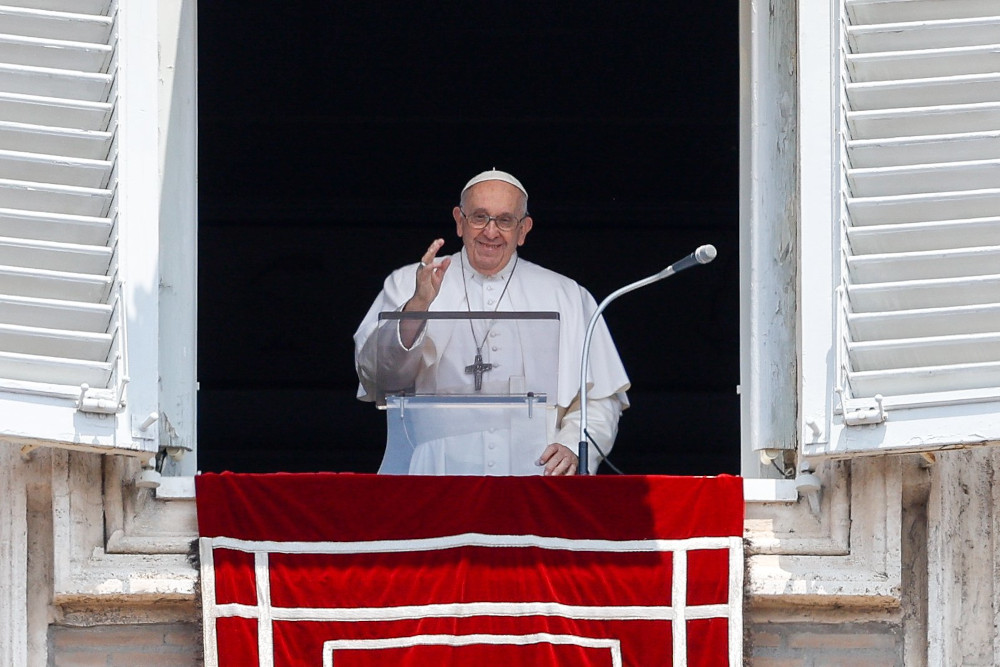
(703, 255)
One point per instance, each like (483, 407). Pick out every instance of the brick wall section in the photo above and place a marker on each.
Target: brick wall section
(825, 645)
(770, 645)
(150, 645)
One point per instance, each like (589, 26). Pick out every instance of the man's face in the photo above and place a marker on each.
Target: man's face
(490, 248)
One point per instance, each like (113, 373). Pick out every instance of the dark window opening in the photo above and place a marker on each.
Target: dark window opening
(334, 139)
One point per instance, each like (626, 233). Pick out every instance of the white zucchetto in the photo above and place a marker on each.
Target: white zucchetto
(495, 175)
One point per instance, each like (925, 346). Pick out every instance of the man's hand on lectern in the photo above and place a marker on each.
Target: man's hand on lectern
(558, 460)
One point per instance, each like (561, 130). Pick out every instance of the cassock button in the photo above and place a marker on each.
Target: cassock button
(495, 348)
(490, 302)
(492, 446)
(490, 464)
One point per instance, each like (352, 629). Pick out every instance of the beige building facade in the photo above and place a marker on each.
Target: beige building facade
(870, 222)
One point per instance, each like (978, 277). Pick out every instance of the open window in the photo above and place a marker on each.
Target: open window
(900, 225)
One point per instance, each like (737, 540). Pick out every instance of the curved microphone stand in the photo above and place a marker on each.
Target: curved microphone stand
(703, 255)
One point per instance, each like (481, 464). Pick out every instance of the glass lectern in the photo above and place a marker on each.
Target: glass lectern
(472, 394)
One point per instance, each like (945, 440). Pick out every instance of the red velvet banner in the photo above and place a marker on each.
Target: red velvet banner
(328, 569)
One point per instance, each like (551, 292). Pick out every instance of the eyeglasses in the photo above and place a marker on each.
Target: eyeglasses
(505, 221)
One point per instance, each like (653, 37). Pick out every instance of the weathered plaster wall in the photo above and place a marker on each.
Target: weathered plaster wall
(13, 558)
(769, 204)
(963, 564)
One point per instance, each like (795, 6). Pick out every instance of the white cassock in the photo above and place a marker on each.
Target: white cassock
(440, 369)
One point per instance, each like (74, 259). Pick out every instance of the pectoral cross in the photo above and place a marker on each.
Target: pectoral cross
(477, 369)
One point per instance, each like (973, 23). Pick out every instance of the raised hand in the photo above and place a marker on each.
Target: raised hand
(430, 273)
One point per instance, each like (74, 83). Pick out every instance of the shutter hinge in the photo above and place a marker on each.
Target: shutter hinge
(101, 401)
(866, 411)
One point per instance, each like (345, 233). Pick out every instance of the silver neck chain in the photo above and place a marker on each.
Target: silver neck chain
(468, 304)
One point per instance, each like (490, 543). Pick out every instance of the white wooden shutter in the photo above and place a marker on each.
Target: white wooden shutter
(905, 219)
(63, 362)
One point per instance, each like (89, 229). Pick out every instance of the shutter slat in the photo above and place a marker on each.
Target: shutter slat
(55, 314)
(925, 351)
(924, 265)
(926, 379)
(912, 295)
(45, 197)
(924, 121)
(892, 209)
(56, 54)
(55, 256)
(90, 7)
(980, 59)
(46, 226)
(948, 321)
(54, 370)
(919, 179)
(917, 35)
(918, 236)
(924, 92)
(902, 151)
(61, 343)
(50, 82)
(55, 111)
(67, 142)
(54, 169)
(897, 11)
(56, 25)
(42, 283)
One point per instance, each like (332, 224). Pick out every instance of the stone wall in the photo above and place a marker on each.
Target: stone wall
(798, 644)
(149, 645)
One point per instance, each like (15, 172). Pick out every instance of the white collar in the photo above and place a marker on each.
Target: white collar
(502, 275)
